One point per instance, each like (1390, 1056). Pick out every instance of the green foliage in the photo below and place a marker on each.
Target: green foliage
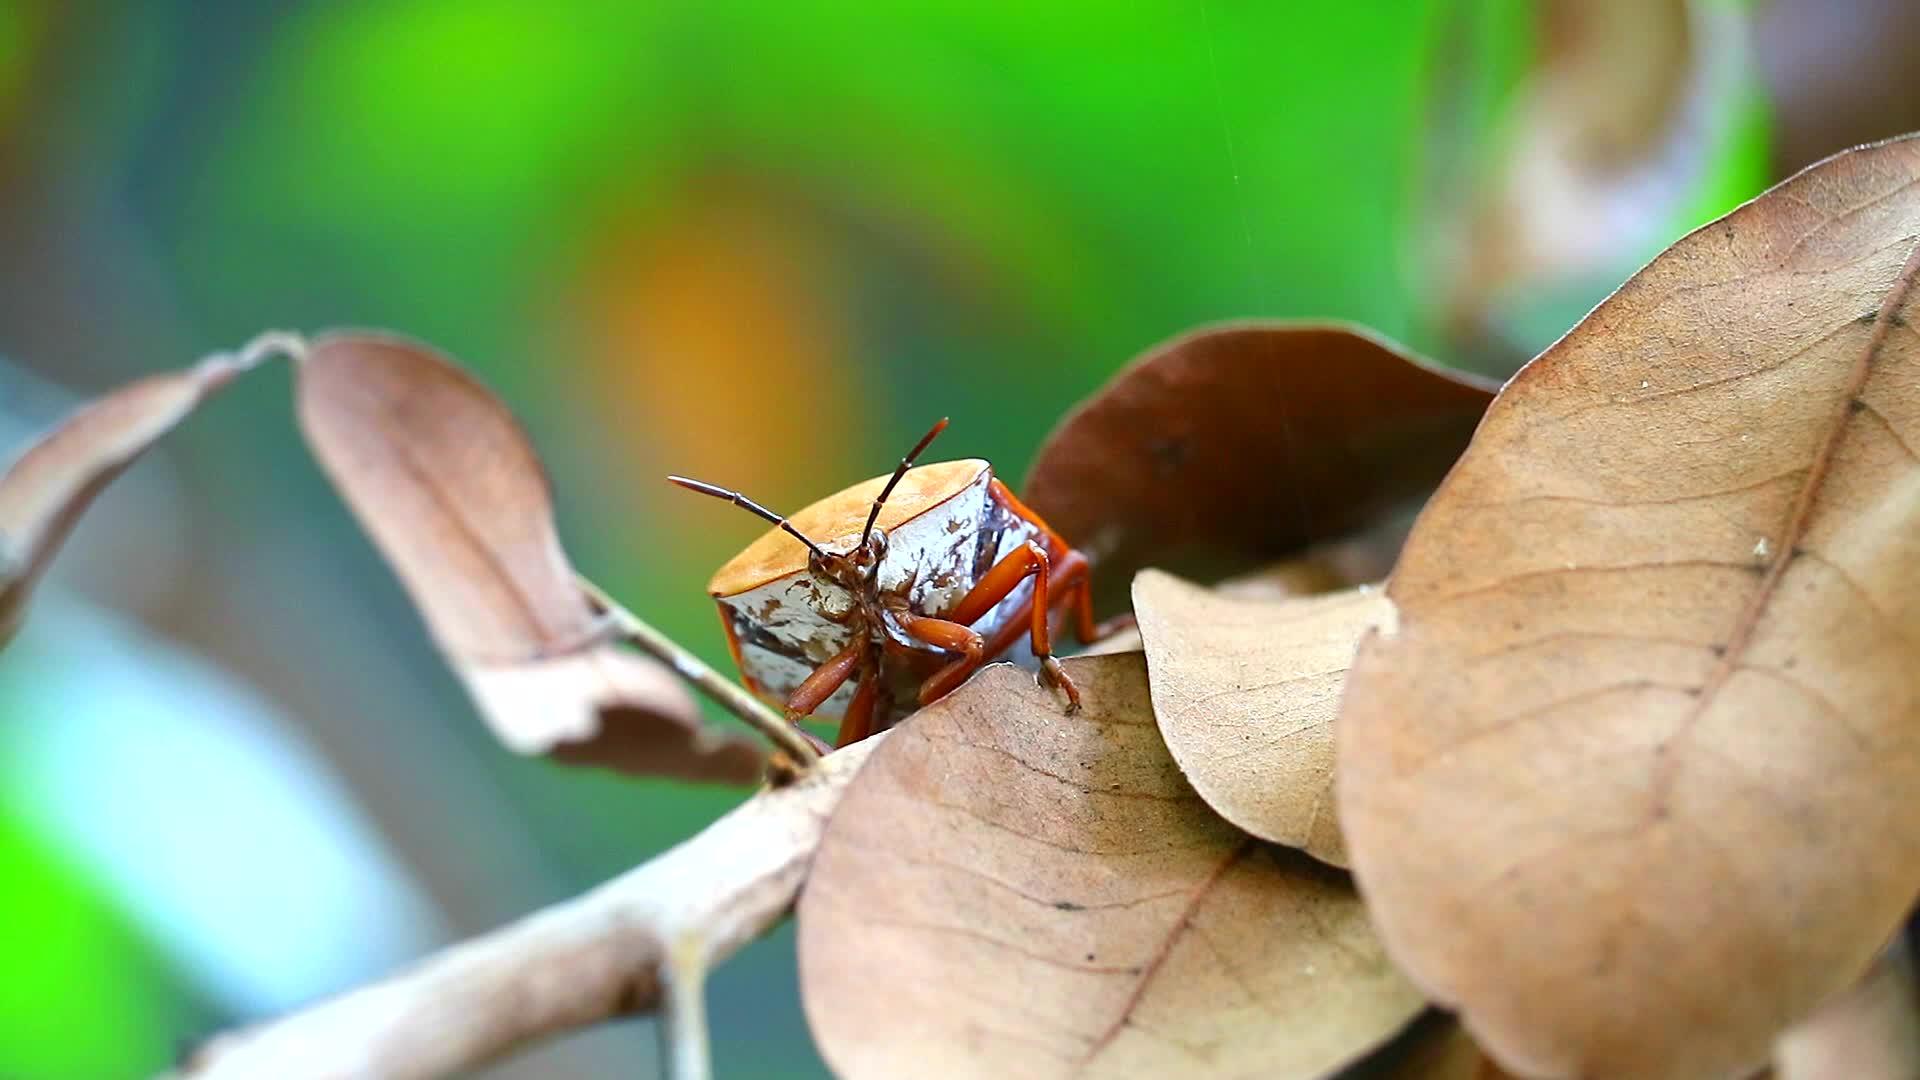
(73, 960)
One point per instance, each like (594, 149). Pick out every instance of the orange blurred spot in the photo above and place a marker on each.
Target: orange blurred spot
(718, 334)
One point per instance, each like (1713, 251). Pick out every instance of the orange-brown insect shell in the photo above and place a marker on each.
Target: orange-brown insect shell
(946, 525)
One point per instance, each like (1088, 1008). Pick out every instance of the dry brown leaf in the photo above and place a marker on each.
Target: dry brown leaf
(1246, 690)
(1342, 564)
(1870, 1032)
(447, 484)
(1281, 581)
(1006, 890)
(1325, 568)
(1631, 786)
(44, 492)
(1236, 445)
(1434, 1048)
(1124, 640)
(1362, 559)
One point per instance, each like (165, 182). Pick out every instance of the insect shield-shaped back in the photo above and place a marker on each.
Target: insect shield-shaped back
(945, 526)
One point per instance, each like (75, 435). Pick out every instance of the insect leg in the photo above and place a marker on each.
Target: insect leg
(825, 680)
(1072, 576)
(954, 637)
(858, 723)
(1029, 560)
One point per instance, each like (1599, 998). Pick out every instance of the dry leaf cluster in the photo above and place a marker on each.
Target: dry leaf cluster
(1612, 776)
(450, 489)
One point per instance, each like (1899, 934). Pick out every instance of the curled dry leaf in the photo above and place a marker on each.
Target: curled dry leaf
(1360, 559)
(1245, 692)
(447, 484)
(1870, 1032)
(44, 492)
(1006, 890)
(1650, 726)
(1234, 446)
(1124, 640)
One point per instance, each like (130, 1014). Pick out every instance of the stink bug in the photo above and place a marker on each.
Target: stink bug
(831, 617)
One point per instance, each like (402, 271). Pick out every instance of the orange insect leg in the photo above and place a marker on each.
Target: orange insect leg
(858, 723)
(952, 636)
(821, 685)
(1028, 560)
(1073, 577)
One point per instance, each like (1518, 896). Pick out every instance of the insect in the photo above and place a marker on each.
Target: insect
(832, 617)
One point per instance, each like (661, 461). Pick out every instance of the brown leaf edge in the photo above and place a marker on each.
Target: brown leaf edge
(1008, 889)
(1237, 444)
(47, 489)
(1430, 777)
(447, 484)
(1245, 691)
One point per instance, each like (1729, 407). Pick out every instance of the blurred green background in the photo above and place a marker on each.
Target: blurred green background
(764, 244)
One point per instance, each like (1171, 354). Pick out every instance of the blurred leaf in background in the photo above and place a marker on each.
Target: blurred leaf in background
(1626, 125)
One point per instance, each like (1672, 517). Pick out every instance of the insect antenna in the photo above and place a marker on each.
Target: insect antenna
(905, 464)
(747, 504)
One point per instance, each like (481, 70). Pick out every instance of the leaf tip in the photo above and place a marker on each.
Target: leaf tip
(1386, 619)
(221, 368)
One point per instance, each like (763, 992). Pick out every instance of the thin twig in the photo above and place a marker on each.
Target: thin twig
(589, 959)
(727, 693)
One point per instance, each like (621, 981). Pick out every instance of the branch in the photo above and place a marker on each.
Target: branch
(598, 956)
(729, 695)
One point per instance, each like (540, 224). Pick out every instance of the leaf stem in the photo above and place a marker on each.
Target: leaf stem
(728, 694)
(264, 346)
